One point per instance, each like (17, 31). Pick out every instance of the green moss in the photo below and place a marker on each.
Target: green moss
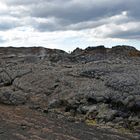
(91, 122)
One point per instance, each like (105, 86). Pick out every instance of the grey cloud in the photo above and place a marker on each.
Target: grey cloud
(75, 13)
(69, 11)
(132, 6)
(21, 2)
(71, 14)
(6, 26)
(127, 34)
(7, 23)
(61, 25)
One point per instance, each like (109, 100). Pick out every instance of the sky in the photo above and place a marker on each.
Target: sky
(67, 24)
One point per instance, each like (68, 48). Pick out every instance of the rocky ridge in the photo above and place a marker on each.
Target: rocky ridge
(99, 86)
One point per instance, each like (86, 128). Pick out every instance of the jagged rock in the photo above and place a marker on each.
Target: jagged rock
(77, 51)
(88, 109)
(90, 48)
(55, 103)
(137, 105)
(128, 100)
(73, 104)
(12, 97)
(121, 48)
(122, 82)
(5, 78)
(105, 113)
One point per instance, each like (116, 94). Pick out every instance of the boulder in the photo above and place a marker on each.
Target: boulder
(88, 109)
(105, 113)
(13, 97)
(55, 103)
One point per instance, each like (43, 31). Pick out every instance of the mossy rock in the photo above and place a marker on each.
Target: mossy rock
(91, 122)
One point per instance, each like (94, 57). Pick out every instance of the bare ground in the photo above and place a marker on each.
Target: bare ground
(22, 123)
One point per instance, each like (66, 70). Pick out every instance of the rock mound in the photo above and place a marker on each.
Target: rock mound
(96, 84)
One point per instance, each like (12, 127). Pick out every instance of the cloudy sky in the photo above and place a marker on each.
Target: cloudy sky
(67, 24)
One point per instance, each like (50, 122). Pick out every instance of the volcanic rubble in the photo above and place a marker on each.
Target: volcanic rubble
(48, 94)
